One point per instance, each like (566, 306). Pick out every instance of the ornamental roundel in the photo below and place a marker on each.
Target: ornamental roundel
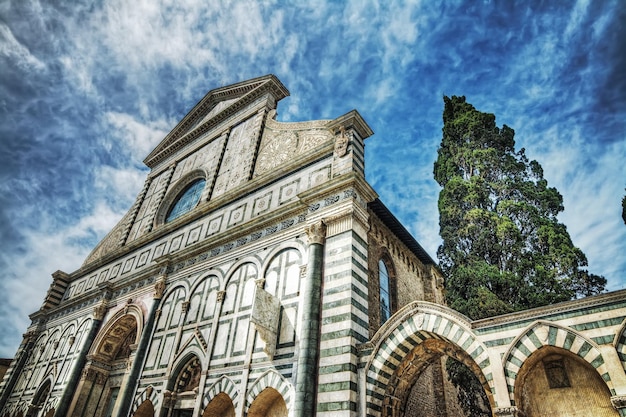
(277, 150)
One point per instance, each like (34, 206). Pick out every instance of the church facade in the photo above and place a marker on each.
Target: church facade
(258, 274)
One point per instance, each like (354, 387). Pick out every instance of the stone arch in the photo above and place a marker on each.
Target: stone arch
(41, 397)
(114, 334)
(220, 405)
(544, 333)
(223, 385)
(268, 403)
(254, 260)
(552, 382)
(148, 395)
(403, 346)
(620, 344)
(273, 256)
(187, 367)
(275, 381)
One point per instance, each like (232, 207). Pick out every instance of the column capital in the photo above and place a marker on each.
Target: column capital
(316, 232)
(221, 295)
(159, 288)
(100, 310)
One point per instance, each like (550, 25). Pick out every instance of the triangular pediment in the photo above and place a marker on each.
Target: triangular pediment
(216, 106)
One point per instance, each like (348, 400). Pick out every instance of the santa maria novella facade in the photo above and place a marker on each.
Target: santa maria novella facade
(258, 274)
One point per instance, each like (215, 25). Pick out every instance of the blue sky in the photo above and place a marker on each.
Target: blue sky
(88, 88)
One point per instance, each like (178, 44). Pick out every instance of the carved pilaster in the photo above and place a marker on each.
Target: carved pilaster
(316, 233)
(220, 296)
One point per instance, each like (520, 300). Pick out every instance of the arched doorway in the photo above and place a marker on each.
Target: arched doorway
(419, 387)
(180, 399)
(552, 381)
(269, 403)
(220, 406)
(39, 399)
(408, 358)
(106, 365)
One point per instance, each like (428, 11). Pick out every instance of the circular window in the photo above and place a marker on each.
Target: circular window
(186, 201)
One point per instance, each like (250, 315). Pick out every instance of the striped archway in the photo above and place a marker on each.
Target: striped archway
(223, 385)
(543, 333)
(270, 379)
(404, 345)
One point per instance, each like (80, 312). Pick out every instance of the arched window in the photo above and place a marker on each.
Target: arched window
(187, 200)
(385, 292)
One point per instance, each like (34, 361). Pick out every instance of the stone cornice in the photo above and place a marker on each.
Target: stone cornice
(543, 312)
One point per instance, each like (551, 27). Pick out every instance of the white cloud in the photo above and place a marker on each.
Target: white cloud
(12, 49)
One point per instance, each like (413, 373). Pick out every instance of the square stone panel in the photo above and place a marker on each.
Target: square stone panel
(115, 270)
(237, 215)
(319, 177)
(194, 235)
(128, 265)
(103, 276)
(262, 204)
(143, 258)
(176, 242)
(214, 225)
(159, 250)
(288, 191)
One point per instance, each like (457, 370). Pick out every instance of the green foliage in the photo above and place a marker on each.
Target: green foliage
(472, 397)
(503, 248)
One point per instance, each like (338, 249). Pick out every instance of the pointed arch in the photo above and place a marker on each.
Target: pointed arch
(223, 385)
(421, 328)
(544, 333)
(186, 369)
(270, 379)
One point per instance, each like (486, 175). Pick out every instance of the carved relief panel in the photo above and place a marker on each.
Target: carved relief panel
(238, 157)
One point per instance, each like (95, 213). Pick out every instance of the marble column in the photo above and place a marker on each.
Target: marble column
(306, 377)
(126, 400)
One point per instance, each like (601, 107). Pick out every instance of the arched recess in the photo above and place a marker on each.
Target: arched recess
(545, 333)
(269, 403)
(40, 398)
(553, 381)
(107, 362)
(413, 338)
(182, 387)
(267, 391)
(220, 406)
(224, 385)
